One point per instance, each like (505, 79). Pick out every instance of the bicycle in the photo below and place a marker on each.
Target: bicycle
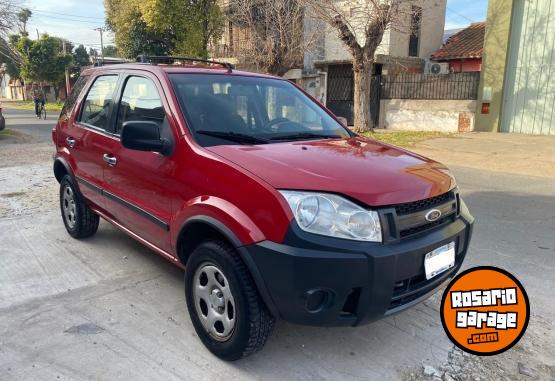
(42, 112)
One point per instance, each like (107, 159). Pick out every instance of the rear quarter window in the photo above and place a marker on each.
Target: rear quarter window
(73, 95)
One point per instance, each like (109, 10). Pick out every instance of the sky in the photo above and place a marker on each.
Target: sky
(76, 19)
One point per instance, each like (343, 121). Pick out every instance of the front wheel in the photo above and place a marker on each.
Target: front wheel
(80, 221)
(223, 302)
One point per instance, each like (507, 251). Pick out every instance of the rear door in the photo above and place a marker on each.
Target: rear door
(139, 185)
(88, 134)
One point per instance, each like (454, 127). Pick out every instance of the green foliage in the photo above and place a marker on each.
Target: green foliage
(23, 16)
(80, 56)
(161, 27)
(43, 59)
(9, 57)
(110, 51)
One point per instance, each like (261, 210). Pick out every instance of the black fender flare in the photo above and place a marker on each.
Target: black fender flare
(243, 253)
(61, 161)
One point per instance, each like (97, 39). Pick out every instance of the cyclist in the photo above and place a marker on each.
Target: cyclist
(38, 97)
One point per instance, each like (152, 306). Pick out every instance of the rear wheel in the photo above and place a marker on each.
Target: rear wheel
(80, 221)
(224, 305)
(43, 113)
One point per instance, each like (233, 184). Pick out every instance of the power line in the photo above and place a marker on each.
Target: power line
(62, 14)
(460, 15)
(68, 19)
(67, 14)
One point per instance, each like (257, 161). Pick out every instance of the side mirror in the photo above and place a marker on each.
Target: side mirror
(342, 120)
(143, 136)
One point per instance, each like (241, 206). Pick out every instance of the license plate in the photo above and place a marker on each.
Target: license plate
(439, 260)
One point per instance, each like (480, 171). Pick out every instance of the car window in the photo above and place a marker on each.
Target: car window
(73, 95)
(98, 103)
(265, 109)
(140, 101)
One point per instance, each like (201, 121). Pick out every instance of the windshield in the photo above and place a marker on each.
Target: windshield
(248, 110)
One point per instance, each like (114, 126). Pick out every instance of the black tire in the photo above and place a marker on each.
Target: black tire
(84, 222)
(253, 322)
(43, 113)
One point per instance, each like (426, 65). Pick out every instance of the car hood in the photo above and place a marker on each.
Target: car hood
(374, 173)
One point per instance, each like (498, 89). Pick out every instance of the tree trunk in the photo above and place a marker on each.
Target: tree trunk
(362, 77)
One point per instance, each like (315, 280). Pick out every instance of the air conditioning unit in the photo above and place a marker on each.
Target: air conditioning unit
(436, 68)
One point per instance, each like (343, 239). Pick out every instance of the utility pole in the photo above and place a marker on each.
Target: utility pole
(38, 37)
(68, 87)
(101, 29)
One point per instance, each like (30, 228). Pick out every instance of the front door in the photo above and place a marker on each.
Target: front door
(138, 185)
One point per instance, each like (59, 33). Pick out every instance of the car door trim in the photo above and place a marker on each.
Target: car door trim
(134, 208)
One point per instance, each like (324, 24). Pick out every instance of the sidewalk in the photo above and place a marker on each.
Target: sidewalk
(500, 152)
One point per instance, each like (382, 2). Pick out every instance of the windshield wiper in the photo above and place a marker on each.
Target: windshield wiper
(234, 136)
(305, 135)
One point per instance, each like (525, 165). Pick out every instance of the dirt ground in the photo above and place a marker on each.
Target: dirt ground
(108, 308)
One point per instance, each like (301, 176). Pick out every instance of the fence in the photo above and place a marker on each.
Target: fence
(455, 86)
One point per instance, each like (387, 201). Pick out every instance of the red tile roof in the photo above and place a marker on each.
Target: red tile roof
(468, 43)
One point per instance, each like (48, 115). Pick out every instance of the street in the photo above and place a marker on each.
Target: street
(108, 308)
(25, 121)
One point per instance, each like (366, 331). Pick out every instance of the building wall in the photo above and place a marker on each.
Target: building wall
(427, 115)
(433, 23)
(395, 41)
(493, 64)
(529, 86)
(471, 64)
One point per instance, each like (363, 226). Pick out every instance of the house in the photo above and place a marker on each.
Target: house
(326, 70)
(517, 84)
(463, 50)
(17, 90)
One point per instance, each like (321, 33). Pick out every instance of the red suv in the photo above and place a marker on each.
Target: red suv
(272, 207)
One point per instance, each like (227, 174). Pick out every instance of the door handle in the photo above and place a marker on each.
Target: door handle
(111, 160)
(70, 142)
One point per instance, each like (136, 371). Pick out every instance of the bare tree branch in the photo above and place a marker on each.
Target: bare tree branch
(269, 34)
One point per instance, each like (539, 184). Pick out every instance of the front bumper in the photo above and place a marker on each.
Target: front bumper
(334, 282)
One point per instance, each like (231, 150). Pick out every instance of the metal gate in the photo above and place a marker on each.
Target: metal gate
(340, 91)
(375, 97)
(529, 97)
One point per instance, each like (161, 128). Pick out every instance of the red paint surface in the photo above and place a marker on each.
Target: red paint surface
(234, 184)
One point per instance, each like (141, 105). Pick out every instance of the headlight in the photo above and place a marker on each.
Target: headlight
(332, 215)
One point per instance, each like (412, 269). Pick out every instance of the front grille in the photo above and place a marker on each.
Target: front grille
(418, 229)
(418, 206)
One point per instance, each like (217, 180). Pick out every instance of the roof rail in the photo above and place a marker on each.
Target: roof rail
(153, 60)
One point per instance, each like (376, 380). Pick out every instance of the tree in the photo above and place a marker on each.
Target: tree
(110, 51)
(43, 60)
(10, 57)
(156, 27)
(361, 26)
(276, 38)
(23, 16)
(81, 57)
(8, 18)
(132, 35)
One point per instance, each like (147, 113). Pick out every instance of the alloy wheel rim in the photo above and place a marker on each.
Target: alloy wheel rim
(69, 207)
(214, 302)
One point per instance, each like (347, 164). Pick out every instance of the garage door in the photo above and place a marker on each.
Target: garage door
(529, 98)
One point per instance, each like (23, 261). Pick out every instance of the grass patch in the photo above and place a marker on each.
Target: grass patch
(30, 105)
(11, 136)
(406, 138)
(9, 133)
